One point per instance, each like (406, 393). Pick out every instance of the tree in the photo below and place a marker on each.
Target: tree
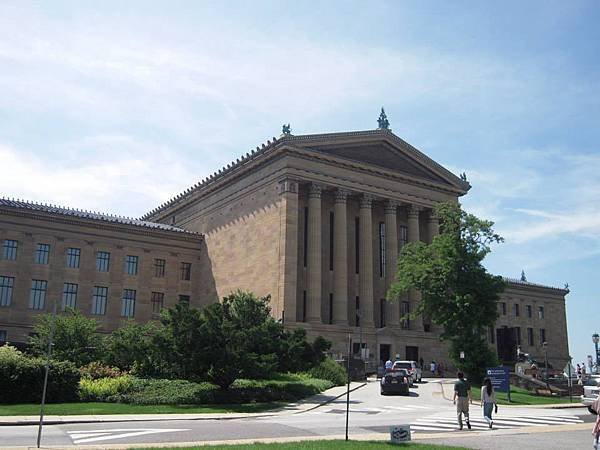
(131, 347)
(457, 291)
(75, 339)
(296, 354)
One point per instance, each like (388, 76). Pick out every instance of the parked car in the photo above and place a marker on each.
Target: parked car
(395, 382)
(412, 368)
(591, 390)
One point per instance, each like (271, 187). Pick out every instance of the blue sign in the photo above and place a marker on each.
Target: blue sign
(499, 377)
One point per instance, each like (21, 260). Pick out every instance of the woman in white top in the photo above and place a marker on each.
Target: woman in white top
(488, 400)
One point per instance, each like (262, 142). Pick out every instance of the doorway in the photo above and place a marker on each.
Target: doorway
(384, 352)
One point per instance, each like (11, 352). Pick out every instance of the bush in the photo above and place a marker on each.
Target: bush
(104, 389)
(22, 379)
(166, 392)
(96, 370)
(328, 369)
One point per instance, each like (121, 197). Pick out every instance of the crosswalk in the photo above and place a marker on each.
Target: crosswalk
(449, 423)
(378, 410)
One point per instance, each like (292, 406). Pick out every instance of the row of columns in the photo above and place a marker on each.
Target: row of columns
(340, 255)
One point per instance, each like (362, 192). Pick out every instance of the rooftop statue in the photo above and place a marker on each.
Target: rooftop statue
(286, 129)
(384, 123)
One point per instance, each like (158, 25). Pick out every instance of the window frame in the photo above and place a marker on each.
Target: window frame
(131, 265)
(9, 251)
(102, 259)
(7, 284)
(185, 271)
(37, 294)
(69, 295)
(157, 298)
(159, 267)
(42, 254)
(73, 257)
(99, 298)
(128, 303)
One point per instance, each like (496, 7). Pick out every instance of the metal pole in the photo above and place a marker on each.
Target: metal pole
(48, 356)
(348, 387)
(597, 358)
(570, 383)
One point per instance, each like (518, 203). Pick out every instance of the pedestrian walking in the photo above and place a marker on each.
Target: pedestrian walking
(462, 399)
(421, 363)
(488, 401)
(388, 365)
(432, 368)
(596, 430)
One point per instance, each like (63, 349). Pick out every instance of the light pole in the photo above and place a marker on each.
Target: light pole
(595, 340)
(545, 345)
(48, 356)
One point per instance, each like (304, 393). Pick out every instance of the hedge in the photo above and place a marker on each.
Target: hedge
(330, 370)
(22, 379)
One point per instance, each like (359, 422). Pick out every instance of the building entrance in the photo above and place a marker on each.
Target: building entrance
(384, 352)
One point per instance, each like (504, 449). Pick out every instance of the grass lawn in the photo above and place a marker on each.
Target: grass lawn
(64, 409)
(325, 445)
(520, 396)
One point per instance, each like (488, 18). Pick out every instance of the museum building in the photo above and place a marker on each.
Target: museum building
(314, 221)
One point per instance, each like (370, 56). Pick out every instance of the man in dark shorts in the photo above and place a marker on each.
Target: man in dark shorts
(462, 398)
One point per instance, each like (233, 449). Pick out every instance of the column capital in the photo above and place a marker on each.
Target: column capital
(413, 210)
(288, 186)
(390, 207)
(341, 195)
(366, 201)
(315, 190)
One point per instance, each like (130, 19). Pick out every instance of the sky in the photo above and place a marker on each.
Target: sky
(118, 106)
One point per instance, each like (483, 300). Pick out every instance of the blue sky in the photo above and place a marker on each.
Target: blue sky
(116, 108)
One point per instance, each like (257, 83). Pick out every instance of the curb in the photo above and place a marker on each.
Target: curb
(173, 417)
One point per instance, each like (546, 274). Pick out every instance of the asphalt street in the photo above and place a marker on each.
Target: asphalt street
(430, 414)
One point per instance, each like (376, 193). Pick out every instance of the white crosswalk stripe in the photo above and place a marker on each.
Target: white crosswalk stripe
(447, 423)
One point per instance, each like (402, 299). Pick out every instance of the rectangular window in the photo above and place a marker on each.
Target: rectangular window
(131, 265)
(9, 250)
(518, 335)
(503, 308)
(42, 254)
(404, 315)
(186, 271)
(128, 303)
(73, 255)
(331, 237)
(492, 333)
(37, 296)
(381, 249)
(402, 236)
(357, 242)
(382, 312)
(357, 307)
(303, 306)
(305, 249)
(99, 299)
(6, 290)
(517, 310)
(529, 313)
(541, 312)
(102, 261)
(69, 298)
(542, 335)
(157, 300)
(330, 309)
(3, 337)
(185, 299)
(159, 268)
(530, 336)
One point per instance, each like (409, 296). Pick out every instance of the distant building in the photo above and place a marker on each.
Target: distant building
(315, 221)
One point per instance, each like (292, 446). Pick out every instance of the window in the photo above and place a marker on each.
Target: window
(404, 315)
(541, 312)
(303, 306)
(518, 335)
(357, 242)
(73, 255)
(402, 236)
(357, 307)
(102, 261)
(69, 298)
(131, 265)
(37, 296)
(99, 298)
(6, 288)
(331, 237)
(529, 313)
(542, 335)
(381, 249)
(128, 303)
(530, 336)
(503, 308)
(157, 300)
(186, 271)
(305, 235)
(3, 336)
(9, 250)
(185, 299)
(159, 268)
(330, 309)
(42, 253)
(382, 312)
(517, 310)
(492, 333)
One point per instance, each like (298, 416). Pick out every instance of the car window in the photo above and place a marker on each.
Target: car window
(592, 382)
(402, 365)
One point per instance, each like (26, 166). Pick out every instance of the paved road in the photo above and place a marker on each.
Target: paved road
(429, 414)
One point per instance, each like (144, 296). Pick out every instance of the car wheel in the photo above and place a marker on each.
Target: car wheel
(382, 392)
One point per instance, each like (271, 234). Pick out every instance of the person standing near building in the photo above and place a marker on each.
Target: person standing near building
(488, 401)
(388, 365)
(432, 367)
(421, 363)
(462, 398)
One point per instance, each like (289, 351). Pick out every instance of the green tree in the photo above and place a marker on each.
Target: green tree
(457, 291)
(76, 337)
(296, 354)
(131, 347)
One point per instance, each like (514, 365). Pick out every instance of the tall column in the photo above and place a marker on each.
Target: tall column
(314, 254)
(433, 226)
(365, 278)
(413, 235)
(288, 248)
(340, 259)
(391, 257)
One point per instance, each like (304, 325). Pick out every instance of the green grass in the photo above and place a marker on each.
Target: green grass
(520, 396)
(65, 409)
(324, 444)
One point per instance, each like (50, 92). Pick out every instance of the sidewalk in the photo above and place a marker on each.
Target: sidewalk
(293, 408)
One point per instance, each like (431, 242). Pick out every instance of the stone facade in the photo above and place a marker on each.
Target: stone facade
(314, 221)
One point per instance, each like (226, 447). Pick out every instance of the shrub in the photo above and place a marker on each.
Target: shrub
(131, 347)
(330, 370)
(22, 379)
(167, 392)
(96, 370)
(104, 389)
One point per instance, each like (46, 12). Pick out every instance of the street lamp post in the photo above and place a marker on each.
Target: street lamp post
(595, 340)
(545, 345)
